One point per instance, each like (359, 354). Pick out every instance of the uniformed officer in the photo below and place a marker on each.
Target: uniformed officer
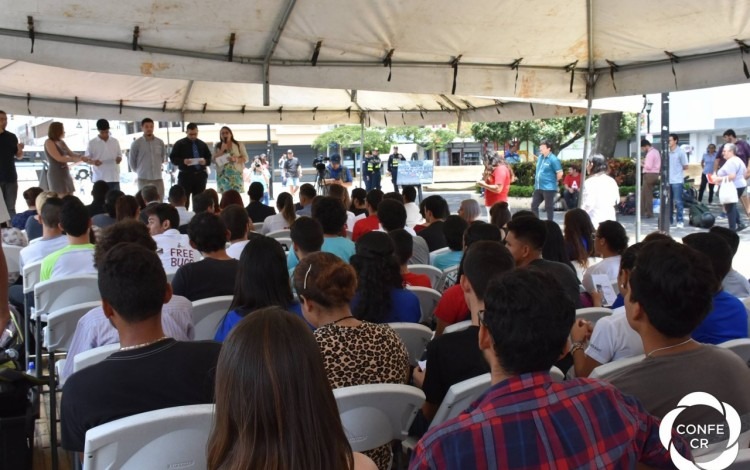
(393, 160)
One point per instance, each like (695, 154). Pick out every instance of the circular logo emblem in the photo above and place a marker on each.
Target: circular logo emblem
(732, 418)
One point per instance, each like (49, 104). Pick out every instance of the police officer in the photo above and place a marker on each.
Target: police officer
(393, 160)
(371, 172)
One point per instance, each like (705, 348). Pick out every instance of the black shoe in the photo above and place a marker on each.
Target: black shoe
(741, 227)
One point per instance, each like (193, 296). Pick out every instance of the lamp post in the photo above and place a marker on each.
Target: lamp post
(649, 105)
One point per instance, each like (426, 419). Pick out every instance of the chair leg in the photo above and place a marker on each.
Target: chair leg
(27, 329)
(38, 340)
(52, 418)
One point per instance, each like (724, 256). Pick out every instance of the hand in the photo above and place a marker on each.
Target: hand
(418, 377)
(118, 160)
(233, 159)
(20, 146)
(597, 298)
(581, 331)
(202, 161)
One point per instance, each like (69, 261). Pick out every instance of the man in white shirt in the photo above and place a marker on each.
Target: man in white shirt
(609, 243)
(78, 256)
(178, 199)
(146, 157)
(240, 229)
(52, 238)
(173, 248)
(105, 154)
(412, 209)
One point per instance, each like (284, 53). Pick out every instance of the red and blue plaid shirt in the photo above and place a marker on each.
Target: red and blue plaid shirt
(530, 421)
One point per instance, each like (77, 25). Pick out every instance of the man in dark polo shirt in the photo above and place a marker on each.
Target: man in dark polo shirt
(10, 149)
(192, 156)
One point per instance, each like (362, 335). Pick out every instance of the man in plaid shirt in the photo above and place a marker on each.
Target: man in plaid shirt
(525, 419)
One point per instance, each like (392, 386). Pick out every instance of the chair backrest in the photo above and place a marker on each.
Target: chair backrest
(439, 251)
(428, 300)
(740, 346)
(31, 274)
(746, 303)
(742, 462)
(374, 415)
(349, 234)
(462, 325)
(415, 337)
(606, 370)
(207, 314)
(93, 356)
(449, 278)
(170, 276)
(557, 374)
(56, 294)
(285, 233)
(168, 438)
(286, 243)
(12, 256)
(257, 226)
(459, 397)
(593, 314)
(62, 323)
(432, 272)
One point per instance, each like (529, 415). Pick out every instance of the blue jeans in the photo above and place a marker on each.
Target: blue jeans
(676, 201)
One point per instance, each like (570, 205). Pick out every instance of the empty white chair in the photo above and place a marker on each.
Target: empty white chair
(286, 243)
(460, 326)
(257, 226)
(374, 415)
(740, 346)
(415, 337)
(432, 272)
(12, 256)
(93, 356)
(428, 300)
(279, 233)
(439, 251)
(168, 438)
(207, 314)
(606, 370)
(593, 314)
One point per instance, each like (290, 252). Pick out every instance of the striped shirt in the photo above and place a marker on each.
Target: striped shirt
(530, 421)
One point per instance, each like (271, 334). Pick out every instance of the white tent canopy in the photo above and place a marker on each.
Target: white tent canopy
(225, 55)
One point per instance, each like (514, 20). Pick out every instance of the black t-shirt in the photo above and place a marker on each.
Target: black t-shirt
(564, 275)
(257, 211)
(165, 374)
(205, 278)
(452, 358)
(8, 149)
(434, 235)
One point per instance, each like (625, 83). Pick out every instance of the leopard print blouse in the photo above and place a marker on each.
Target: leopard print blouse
(368, 354)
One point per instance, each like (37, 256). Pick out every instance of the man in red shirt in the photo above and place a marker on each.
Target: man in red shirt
(497, 184)
(371, 222)
(572, 183)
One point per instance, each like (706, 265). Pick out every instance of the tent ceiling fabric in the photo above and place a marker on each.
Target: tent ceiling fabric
(437, 45)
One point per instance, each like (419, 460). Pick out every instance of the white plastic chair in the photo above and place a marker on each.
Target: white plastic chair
(170, 276)
(593, 314)
(606, 370)
(432, 272)
(207, 314)
(349, 234)
(556, 374)
(285, 233)
(257, 226)
(460, 326)
(374, 415)
(740, 346)
(31, 274)
(439, 251)
(58, 334)
(448, 279)
(428, 300)
(286, 243)
(93, 356)
(168, 438)
(415, 337)
(12, 257)
(746, 303)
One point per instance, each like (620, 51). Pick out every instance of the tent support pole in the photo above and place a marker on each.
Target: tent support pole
(361, 147)
(269, 152)
(665, 190)
(638, 177)
(272, 48)
(590, 83)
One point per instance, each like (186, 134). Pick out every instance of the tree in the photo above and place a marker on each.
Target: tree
(348, 136)
(606, 135)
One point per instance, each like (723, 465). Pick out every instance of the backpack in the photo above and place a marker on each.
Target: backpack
(701, 216)
(627, 207)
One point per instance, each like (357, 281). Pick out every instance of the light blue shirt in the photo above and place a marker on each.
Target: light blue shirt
(708, 163)
(677, 160)
(339, 246)
(546, 172)
(447, 260)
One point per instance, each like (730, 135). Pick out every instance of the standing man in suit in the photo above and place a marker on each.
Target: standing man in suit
(192, 156)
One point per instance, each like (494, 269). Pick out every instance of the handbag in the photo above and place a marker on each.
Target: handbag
(727, 192)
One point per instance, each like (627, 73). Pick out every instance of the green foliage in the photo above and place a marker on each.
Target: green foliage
(524, 172)
(621, 169)
(625, 190)
(349, 136)
(520, 191)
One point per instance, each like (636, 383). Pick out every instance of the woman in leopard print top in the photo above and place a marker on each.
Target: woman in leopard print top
(354, 352)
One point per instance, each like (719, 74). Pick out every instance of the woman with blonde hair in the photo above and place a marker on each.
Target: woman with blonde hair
(230, 157)
(284, 219)
(58, 157)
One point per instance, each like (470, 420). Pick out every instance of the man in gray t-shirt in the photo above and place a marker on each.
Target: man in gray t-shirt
(678, 163)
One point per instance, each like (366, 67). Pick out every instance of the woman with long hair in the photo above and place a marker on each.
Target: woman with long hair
(355, 352)
(262, 281)
(579, 237)
(230, 197)
(58, 158)
(500, 216)
(274, 407)
(358, 203)
(127, 207)
(380, 296)
(554, 245)
(230, 157)
(284, 219)
(211, 193)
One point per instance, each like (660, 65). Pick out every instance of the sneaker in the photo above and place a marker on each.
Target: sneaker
(723, 215)
(680, 225)
(741, 227)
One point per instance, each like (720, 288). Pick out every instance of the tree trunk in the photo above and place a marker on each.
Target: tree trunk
(606, 135)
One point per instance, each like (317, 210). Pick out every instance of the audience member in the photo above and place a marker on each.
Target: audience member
(151, 197)
(256, 210)
(403, 244)
(262, 281)
(211, 193)
(380, 296)
(610, 240)
(500, 216)
(109, 216)
(151, 371)
(469, 210)
(215, 274)
(554, 245)
(354, 352)
(435, 210)
(523, 331)
(273, 358)
(525, 240)
(332, 217)
(371, 222)
(453, 231)
(306, 194)
(230, 197)
(727, 319)
(78, 256)
(284, 219)
(94, 329)
(668, 295)
(29, 196)
(127, 208)
(392, 216)
(579, 238)
(358, 207)
(178, 198)
(173, 248)
(340, 192)
(412, 209)
(307, 237)
(733, 283)
(52, 238)
(99, 194)
(240, 228)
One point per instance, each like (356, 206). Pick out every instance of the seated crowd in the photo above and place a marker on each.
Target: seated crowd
(312, 309)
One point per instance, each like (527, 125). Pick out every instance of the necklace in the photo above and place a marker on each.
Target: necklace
(143, 345)
(340, 319)
(669, 347)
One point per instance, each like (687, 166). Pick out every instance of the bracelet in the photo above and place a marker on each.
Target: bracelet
(578, 345)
